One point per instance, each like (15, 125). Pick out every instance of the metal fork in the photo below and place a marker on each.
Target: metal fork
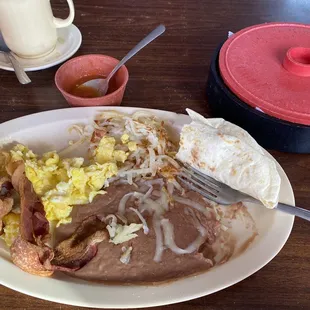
(225, 195)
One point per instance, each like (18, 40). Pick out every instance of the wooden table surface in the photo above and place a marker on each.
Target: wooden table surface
(171, 74)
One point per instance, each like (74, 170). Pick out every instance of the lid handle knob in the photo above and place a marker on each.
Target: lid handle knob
(297, 61)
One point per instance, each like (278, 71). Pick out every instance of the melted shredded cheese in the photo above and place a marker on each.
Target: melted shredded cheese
(125, 258)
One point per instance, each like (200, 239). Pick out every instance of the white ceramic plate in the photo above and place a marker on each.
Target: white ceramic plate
(48, 130)
(69, 41)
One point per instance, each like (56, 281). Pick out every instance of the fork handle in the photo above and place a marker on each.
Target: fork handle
(303, 213)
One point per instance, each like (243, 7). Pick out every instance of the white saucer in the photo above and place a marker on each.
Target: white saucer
(69, 41)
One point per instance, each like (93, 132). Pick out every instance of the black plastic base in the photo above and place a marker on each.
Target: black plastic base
(269, 132)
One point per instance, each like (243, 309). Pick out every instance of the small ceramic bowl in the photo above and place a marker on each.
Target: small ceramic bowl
(79, 68)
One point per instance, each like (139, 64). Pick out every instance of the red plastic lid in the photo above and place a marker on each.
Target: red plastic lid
(268, 67)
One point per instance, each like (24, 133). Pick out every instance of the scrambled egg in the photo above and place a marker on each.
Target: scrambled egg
(11, 228)
(62, 183)
(105, 152)
(132, 146)
(125, 138)
(21, 152)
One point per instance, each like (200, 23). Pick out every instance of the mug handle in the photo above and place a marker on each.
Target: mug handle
(61, 23)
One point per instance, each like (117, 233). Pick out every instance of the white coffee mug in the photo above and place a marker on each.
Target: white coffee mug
(29, 28)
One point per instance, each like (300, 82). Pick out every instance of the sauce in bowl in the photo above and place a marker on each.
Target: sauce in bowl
(82, 91)
(72, 74)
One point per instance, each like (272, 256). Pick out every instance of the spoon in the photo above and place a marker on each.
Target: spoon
(102, 85)
(18, 69)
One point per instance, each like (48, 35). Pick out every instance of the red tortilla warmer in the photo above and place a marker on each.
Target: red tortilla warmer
(259, 79)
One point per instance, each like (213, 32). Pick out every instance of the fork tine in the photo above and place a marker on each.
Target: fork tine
(204, 176)
(200, 177)
(199, 183)
(198, 190)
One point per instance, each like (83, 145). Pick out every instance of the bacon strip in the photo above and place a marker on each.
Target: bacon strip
(30, 257)
(33, 222)
(70, 255)
(29, 252)
(17, 175)
(81, 247)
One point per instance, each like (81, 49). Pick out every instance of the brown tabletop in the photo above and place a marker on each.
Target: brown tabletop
(171, 74)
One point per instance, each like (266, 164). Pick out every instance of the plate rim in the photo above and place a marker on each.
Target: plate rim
(59, 60)
(70, 114)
